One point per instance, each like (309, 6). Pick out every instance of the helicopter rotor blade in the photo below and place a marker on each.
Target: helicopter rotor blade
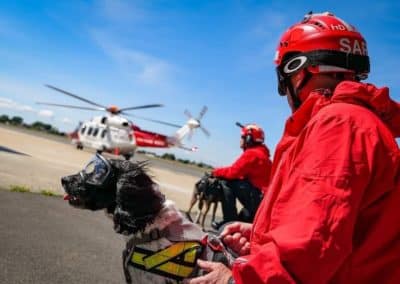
(74, 96)
(154, 120)
(141, 107)
(239, 125)
(70, 106)
(205, 131)
(202, 112)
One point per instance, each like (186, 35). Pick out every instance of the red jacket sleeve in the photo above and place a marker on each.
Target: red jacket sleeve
(304, 227)
(238, 169)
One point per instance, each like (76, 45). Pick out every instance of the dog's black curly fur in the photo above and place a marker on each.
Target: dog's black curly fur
(138, 199)
(130, 195)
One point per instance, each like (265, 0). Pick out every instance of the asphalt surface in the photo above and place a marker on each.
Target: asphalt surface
(44, 240)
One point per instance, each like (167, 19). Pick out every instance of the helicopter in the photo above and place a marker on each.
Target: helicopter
(114, 133)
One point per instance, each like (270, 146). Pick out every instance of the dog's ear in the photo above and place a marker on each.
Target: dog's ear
(138, 198)
(203, 183)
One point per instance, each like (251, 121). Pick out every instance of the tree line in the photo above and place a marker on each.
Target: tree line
(37, 125)
(171, 157)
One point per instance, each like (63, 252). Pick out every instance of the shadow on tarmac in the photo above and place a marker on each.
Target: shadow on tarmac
(11, 151)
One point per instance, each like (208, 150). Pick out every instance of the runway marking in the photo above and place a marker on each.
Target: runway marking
(8, 150)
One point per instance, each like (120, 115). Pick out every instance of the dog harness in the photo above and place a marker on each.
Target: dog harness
(177, 261)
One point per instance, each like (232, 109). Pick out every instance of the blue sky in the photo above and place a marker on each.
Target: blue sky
(184, 54)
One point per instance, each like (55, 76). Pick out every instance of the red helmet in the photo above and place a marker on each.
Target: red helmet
(252, 133)
(321, 43)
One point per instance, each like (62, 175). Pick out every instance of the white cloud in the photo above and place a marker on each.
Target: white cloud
(66, 120)
(46, 113)
(151, 69)
(10, 104)
(143, 67)
(4, 102)
(16, 106)
(121, 11)
(270, 23)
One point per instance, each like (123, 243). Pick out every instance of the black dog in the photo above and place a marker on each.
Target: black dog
(207, 191)
(162, 245)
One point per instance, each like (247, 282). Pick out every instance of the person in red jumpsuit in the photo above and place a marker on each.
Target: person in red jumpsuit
(246, 179)
(332, 210)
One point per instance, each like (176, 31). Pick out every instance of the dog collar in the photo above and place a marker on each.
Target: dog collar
(153, 235)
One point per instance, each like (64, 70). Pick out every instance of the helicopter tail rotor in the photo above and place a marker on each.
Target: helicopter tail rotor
(194, 123)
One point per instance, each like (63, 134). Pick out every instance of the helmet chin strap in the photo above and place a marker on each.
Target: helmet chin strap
(294, 93)
(295, 99)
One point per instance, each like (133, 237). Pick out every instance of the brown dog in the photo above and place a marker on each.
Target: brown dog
(207, 191)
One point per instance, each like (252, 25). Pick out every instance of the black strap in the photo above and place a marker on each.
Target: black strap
(153, 235)
(358, 63)
(292, 93)
(125, 259)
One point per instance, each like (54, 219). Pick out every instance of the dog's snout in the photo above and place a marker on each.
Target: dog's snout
(64, 181)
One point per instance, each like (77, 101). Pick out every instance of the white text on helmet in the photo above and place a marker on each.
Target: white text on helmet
(338, 27)
(354, 47)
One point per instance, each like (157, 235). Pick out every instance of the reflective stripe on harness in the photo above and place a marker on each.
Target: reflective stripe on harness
(177, 261)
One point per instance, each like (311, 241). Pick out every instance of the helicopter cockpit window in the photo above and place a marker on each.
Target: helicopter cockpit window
(103, 133)
(96, 130)
(90, 131)
(83, 130)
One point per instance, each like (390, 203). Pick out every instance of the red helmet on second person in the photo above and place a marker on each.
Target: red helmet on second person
(321, 43)
(252, 134)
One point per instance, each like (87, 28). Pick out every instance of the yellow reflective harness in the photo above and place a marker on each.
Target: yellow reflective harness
(177, 261)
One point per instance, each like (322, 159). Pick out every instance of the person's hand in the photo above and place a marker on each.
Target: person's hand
(236, 236)
(217, 273)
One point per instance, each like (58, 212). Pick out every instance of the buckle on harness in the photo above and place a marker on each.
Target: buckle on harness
(217, 248)
(215, 244)
(154, 234)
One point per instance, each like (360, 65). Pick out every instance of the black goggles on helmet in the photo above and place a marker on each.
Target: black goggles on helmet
(97, 171)
(355, 62)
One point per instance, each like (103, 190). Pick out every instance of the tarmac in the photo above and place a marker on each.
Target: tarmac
(46, 241)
